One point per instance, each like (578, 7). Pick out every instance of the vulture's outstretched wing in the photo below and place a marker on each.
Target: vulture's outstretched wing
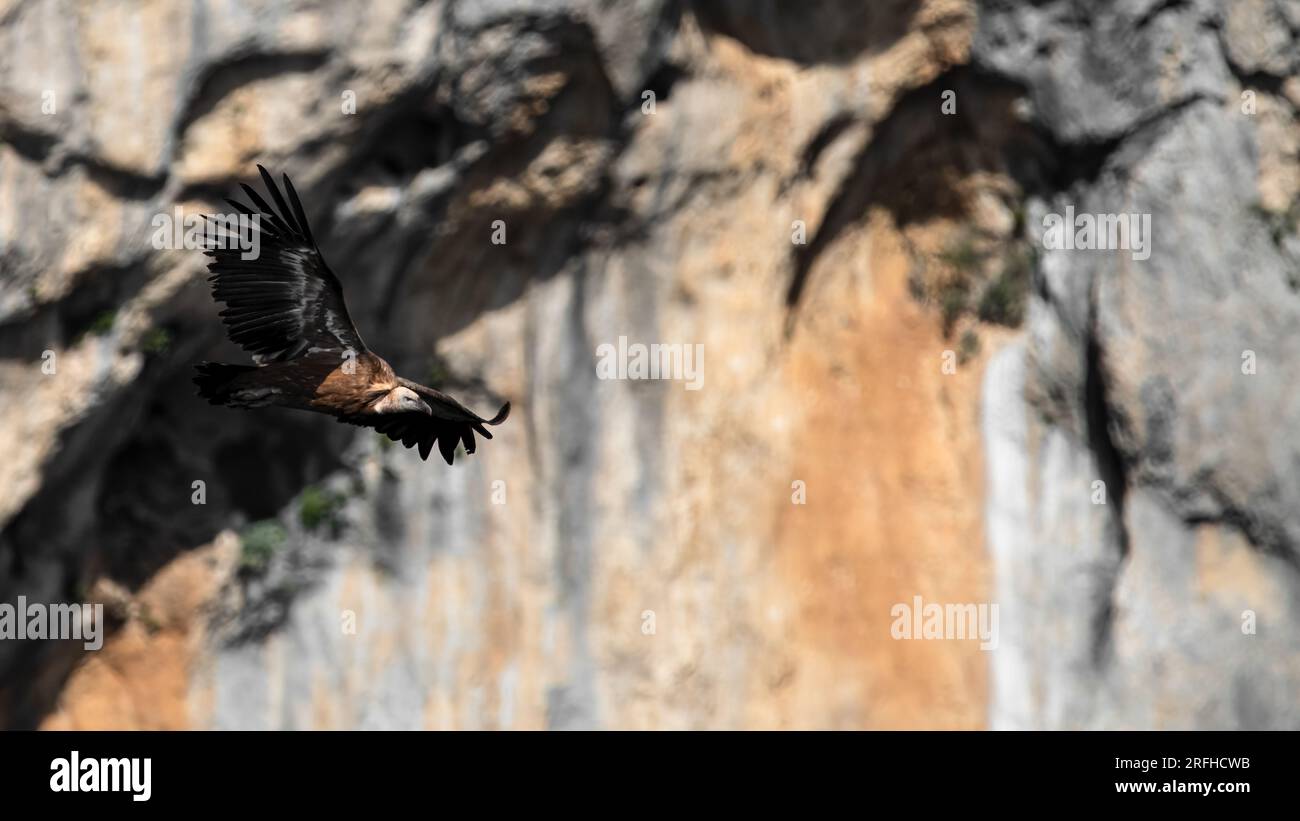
(287, 301)
(451, 423)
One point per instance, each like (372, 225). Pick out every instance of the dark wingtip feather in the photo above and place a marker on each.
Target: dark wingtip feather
(267, 213)
(501, 415)
(282, 208)
(299, 213)
(266, 179)
(447, 447)
(255, 197)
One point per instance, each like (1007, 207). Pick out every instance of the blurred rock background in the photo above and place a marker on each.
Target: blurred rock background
(629, 554)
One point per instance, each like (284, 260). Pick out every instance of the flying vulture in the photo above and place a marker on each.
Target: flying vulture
(286, 308)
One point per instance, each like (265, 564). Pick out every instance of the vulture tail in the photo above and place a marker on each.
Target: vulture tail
(214, 380)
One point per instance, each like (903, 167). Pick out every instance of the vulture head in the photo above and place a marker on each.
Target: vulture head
(401, 400)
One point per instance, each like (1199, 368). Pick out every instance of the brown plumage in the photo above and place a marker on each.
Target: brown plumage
(286, 309)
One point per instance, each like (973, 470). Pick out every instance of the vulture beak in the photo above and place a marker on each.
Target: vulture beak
(425, 409)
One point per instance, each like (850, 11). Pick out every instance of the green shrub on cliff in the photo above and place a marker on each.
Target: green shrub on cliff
(259, 542)
(319, 506)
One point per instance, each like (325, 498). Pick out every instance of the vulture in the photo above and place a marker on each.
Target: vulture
(286, 308)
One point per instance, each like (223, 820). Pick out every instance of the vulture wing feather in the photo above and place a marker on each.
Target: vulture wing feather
(286, 302)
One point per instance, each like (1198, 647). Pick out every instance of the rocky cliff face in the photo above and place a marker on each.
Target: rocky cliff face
(1168, 379)
(904, 393)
